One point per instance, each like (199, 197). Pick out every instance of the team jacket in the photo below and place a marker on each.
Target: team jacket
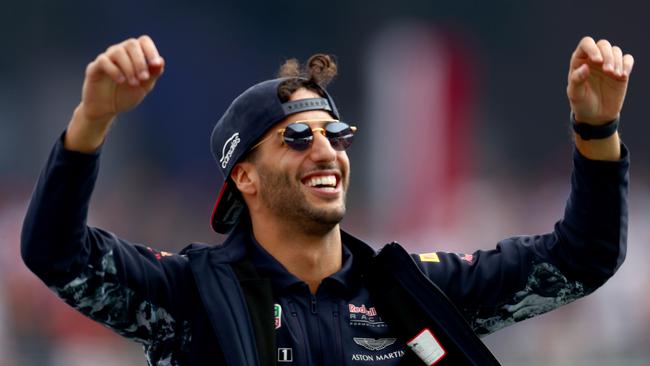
(208, 305)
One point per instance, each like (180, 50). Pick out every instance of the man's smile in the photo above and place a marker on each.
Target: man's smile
(323, 183)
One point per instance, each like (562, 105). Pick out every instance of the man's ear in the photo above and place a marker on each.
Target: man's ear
(244, 176)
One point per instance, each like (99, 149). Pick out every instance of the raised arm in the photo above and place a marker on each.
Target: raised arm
(525, 276)
(126, 286)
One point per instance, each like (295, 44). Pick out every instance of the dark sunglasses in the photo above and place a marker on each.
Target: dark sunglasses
(299, 135)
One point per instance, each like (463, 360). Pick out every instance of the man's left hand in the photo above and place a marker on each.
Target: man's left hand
(598, 77)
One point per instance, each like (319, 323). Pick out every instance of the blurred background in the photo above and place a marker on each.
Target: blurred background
(463, 141)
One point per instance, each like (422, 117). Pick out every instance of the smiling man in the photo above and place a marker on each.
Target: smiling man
(288, 286)
(294, 180)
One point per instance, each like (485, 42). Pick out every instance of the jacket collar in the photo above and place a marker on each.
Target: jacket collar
(235, 247)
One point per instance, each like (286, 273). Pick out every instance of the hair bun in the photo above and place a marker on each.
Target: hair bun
(320, 68)
(315, 75)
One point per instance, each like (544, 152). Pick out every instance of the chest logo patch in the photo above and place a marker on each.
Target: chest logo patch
(374, 344)
(365, 316)
(277, 314)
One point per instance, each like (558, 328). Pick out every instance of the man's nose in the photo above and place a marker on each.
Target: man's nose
(321, 149)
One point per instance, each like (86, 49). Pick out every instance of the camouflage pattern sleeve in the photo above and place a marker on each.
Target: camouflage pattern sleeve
(130, 288)
(143, 311)
(492, 296)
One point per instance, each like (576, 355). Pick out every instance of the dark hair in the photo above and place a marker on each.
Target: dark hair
(315, 74)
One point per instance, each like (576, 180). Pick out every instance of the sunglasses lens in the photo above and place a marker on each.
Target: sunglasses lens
(340, 135)
(298, 136)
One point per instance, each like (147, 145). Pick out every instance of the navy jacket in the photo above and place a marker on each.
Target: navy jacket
(200, 307)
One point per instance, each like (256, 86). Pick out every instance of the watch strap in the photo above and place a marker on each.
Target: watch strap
(592, 132)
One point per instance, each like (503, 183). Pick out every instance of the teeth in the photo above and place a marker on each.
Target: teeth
(328, 180)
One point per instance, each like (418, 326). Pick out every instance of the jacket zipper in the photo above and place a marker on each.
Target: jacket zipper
(338, 346)
(300, 353)
(313, 304)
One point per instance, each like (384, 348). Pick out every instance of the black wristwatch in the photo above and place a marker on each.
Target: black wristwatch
(592, 132)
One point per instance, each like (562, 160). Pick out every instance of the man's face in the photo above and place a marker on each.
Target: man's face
(305, 188)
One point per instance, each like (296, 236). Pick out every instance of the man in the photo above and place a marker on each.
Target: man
(288, 286)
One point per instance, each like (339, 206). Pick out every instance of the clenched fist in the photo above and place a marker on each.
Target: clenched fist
(597, 81)
(116, 81)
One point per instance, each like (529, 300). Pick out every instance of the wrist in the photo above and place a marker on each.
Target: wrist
(90, 116)
(86, 133)
(593, 131)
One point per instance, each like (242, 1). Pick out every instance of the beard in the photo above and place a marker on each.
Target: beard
(285, 199)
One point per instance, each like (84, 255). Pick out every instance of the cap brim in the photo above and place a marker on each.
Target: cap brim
(228, 209)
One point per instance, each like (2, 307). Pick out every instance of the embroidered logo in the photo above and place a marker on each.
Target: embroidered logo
(365, 316)
(380, 357)
(371, 311)
(277, 313)
(374, 344)
(230, 144)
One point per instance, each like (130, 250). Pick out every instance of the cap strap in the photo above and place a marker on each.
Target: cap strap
(309, 104)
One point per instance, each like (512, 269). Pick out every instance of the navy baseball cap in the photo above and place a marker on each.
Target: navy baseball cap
(245, 121)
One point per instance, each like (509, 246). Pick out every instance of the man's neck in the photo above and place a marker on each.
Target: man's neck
(310, 257)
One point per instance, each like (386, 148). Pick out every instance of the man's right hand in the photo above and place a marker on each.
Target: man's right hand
(116, 81)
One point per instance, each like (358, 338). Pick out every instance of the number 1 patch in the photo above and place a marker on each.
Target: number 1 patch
(285, 354)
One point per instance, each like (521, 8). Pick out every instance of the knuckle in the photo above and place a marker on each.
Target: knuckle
(102, 58)
(99, 61)
(90, 67)
(131, 43)
(115, 52)
(105, 63)
(603, 42)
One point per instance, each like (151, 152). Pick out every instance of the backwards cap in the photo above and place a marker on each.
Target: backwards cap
(245, 121)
